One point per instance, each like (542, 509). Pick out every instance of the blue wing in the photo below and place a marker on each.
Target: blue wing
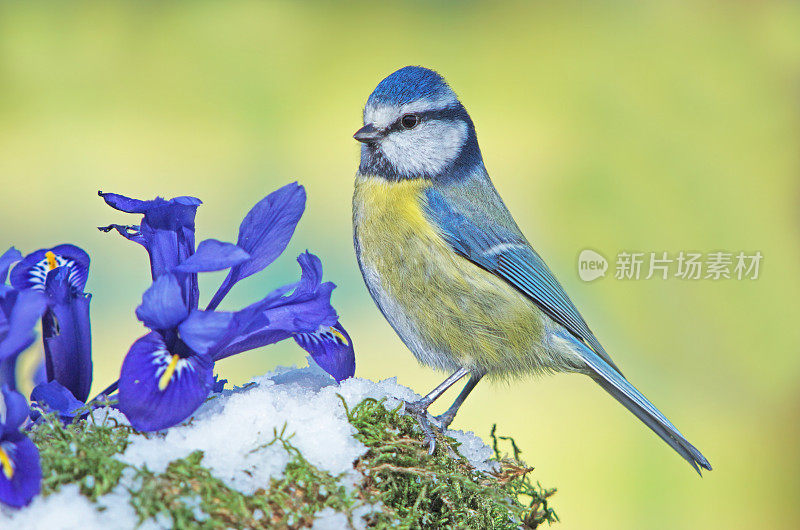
(479, 228)
(497, 246)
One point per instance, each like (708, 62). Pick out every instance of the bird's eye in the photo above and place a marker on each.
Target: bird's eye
(409, 121)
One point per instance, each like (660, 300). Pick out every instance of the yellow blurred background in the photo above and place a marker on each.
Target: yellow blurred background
(651, 126)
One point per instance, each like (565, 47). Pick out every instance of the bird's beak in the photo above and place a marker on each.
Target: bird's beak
(366, 134)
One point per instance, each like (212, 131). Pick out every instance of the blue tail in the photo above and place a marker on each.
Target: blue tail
(615, 384)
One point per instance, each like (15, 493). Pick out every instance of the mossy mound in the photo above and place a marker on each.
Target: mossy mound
(442, 490)
(396, 483)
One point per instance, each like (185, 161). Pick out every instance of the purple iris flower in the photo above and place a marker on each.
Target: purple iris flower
(19, 313)
(20, 471)
(60, 274)
(168, 373)
(164, 379)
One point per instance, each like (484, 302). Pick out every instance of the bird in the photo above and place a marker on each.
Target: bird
(447, 265)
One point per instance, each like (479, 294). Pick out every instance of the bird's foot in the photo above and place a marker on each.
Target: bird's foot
(419, 412)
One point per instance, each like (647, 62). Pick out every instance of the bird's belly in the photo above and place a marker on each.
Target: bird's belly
(447, 310)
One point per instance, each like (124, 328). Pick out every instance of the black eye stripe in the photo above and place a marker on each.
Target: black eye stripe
(438, 114)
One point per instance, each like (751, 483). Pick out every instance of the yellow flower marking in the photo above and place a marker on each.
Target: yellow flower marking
(51, 260)
(5, 462)
(167, 375)
(339, 334)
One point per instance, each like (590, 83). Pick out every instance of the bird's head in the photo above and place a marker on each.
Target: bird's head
(415, 127)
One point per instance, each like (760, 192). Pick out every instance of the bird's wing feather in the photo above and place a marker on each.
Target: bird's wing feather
(478, 227)
(497, 246)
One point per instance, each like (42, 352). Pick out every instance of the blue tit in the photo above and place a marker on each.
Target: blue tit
(448, 267)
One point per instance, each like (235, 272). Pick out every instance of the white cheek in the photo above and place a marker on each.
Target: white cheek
(427, 149)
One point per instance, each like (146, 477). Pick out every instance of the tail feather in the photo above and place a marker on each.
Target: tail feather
(660, 426)
(615, 384)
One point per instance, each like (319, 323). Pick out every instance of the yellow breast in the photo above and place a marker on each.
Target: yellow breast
(393, 207)
(447, 310)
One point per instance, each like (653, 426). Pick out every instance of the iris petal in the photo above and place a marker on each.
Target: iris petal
(26, 478)
(308, 306)
(264, 233)
(24, 309)
(123, 203)
(219, 384)
(204, 329)
(332, 349)
(269, 225)
(66, 331)
(54, 397)
(167, 249)
(162, 304)
(148, 407)
(129, 205)
(8, 372)
(213, 255)
(310, 274)
(279, 315)
(40, 374)
(16, 411)
(9, 256)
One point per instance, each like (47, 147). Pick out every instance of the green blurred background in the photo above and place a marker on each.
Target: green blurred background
(618, 126)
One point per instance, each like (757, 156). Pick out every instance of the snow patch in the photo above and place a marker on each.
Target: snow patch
(234, 430)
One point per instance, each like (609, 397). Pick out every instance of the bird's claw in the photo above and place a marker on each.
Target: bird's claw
(420, 414)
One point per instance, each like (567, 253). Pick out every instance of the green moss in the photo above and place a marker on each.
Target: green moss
(80, 453)
(402, 485)
(441, 490)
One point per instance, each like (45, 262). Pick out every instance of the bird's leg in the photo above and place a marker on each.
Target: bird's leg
(447, 418)
(419, 409)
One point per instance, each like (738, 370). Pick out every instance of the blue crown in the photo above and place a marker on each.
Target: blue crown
(408, 84)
